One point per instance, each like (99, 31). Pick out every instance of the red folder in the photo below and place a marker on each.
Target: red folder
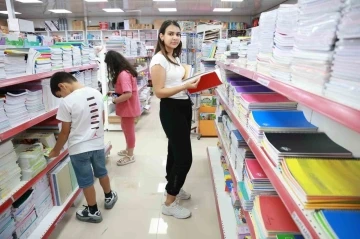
(207, 80)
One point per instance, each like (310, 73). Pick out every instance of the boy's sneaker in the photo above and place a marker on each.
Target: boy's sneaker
(110, 202)
(176, 210)
(85, 216)
(183, 195)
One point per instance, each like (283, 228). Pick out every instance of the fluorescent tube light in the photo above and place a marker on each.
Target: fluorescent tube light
(6, 12)
(163, 0)
(167, 10)
(232, 0)
(113, 10)
(29, 1)
(59, 11)
(222, 9)
(95, 0)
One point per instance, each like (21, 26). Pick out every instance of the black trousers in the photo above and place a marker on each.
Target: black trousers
(176, 116)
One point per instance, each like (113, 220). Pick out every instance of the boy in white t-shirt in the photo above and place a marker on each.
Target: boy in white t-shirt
(82, 116)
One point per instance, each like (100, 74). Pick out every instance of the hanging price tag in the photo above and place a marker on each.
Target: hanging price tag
(304, 231)
(263, 82)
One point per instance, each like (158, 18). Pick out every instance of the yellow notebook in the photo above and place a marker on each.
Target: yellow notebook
(326, 177)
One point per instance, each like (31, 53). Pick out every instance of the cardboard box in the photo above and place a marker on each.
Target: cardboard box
(132, 21)
(158, 23)
(148, 26)
(78, 25)
(93, 28)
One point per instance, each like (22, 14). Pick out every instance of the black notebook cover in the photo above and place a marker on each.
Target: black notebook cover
(306, 144)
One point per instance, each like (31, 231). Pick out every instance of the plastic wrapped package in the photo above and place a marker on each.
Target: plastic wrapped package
(320, 6)
(349, 26)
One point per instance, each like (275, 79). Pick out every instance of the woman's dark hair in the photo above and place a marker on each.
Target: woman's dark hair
(161, 45)
(116, 63)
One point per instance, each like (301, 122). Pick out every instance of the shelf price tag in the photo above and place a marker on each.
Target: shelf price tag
(263, 81)
(304, 231)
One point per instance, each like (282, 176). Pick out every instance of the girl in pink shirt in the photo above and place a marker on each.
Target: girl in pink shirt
(123, 78)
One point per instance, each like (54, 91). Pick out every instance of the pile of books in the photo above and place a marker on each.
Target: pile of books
(4, 121)
(67, 56)
(49, 100)
(80, 76)
(10, 171)
(56, 58)
(76, 56)
(85, 54)
(7, 224)
(253, 49)
(2, 62)
(43, 60)
(43, 198)
(88, 78)
(15, 107)
(15, 62)
(31, 160)
(34, 103)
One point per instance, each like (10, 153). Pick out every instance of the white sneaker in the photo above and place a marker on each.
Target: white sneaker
(183, 195)
(175, 210)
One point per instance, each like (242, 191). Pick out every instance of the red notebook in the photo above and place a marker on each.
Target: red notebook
(275, 216)
(255, 170)
(265, 98)
(208, 80)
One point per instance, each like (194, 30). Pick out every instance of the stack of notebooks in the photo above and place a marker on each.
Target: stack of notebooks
(50, 101)
(76, 56)
(56, 58)
(88, 78)
(80, 77)
(47, 139)
(10, 171)
(339, 224)
(2, 62)
(288, 236)
(15, 62)
(283, 42)
(267, 28)
(314, 41)
(4, 121)
(23, 211)
(67, 56)
(247, 103)
(344, 83)
(31, 160)
(85, 54)
(264, 121)
(242, 227)
(34, 103)
(324, 183)
(255, 183)
(94, 78)
(7, 224)
(63, 181)
(42, 196)
(253, 49)
(270, 217)
(319, 145)
(43, 62)
(15, 107)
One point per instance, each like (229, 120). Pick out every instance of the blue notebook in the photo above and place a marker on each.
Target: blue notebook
(243, 83)
(282, 119)
(252, 89)
(238, 136)
(345, 223)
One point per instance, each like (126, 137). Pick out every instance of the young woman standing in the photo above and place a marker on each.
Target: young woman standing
(175, 114)
(123, 78)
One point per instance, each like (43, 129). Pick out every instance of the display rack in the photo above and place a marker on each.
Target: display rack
(225, 211)
(302, 217)
(340, 113)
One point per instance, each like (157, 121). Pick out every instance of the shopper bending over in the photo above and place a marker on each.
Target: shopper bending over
(82, 115)
(123, 78)
(175, 114)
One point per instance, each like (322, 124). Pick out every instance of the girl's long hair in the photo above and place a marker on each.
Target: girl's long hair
(160, 46)
(116, 63)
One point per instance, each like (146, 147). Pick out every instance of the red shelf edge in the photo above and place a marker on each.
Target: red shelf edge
(32, 181)
(215, 196)
(264, 162)
(338, 112)
(17, 129)
(39, 76)
(60, 216)
(250, 225)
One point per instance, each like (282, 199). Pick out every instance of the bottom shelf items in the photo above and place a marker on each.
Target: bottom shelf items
(226, 216)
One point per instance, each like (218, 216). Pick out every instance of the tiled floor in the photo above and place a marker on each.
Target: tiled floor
(140, 187)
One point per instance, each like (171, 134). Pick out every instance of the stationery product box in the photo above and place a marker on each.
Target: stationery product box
(158, 23)
(132, 21)
(148, 26)
(104, 25)
(78, 25)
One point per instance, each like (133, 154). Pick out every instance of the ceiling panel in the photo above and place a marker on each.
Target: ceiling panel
(192, 8)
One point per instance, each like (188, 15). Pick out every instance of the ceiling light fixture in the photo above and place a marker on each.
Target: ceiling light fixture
(59, 11)
(167, 10)
(6, 12)
(232, 0)
(113, 10)
(222, 10)
(163, 0)
(29, 1)
(95, 0)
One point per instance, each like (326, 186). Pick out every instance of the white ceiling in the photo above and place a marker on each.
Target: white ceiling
(192, 8)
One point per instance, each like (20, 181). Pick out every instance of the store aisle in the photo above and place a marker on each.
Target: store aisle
(141, 186)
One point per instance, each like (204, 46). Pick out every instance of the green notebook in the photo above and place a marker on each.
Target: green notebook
(289, 236)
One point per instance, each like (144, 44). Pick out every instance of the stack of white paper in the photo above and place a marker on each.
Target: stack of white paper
(284, 41)
(344, 84)
(34, 103)
(76, 56)
(4, 121)
(56, 58)
(267, 29)
(314, 40)
(15, 108)
(15, 63)
(50, 101)
(253, 49)
(67, 57)
(85, 54)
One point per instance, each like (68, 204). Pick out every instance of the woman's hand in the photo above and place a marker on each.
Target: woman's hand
(193, 84)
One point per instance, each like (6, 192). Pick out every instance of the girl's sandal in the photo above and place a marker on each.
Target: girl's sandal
(123, 152)
(125, 160)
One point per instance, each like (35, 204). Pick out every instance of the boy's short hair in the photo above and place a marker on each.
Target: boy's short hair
(60, 77)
